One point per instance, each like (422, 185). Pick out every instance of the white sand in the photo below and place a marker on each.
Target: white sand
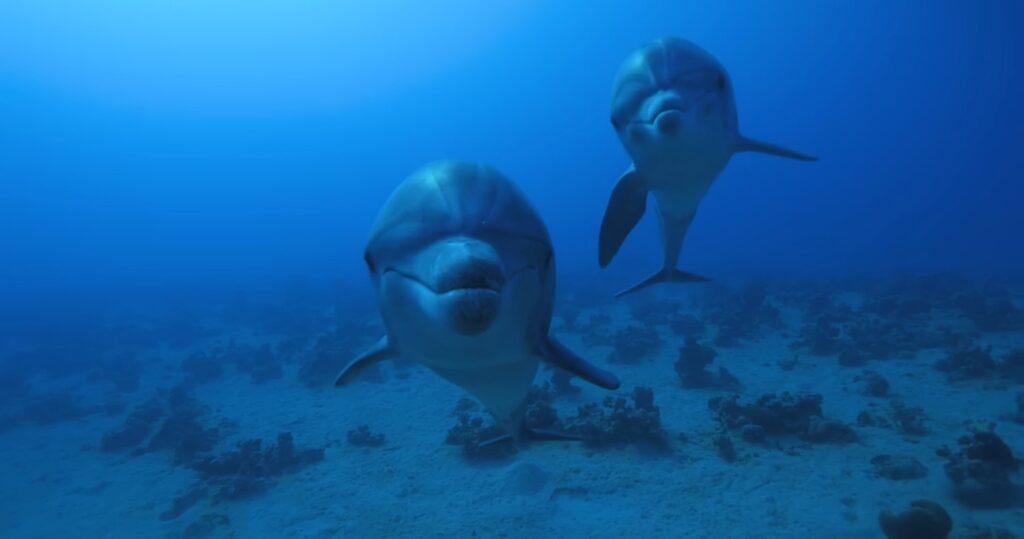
(57, 484)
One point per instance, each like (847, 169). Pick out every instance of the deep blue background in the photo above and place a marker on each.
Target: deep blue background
(159, 144)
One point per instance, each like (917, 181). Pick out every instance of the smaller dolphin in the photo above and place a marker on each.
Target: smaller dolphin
(674, 111)
(464, 274)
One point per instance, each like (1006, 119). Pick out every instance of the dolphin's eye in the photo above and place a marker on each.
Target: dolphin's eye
(548, 258)
(369, 263)
(615, 123)
(721, 82)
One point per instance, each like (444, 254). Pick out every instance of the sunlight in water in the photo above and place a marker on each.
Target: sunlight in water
(235, 55)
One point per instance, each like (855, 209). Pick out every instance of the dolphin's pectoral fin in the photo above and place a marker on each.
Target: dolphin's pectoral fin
(625, 208)
(750, 145)
(667, 275)
(557, 354)
(378, 352)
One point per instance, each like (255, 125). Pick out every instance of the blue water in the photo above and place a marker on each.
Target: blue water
(183, 178)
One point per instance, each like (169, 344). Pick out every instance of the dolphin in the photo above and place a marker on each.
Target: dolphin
(675, 114)
(464, 275)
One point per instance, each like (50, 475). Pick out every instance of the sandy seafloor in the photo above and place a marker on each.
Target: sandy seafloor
(56, 483)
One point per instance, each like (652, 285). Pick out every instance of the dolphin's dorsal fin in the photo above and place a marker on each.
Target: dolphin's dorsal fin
(625, 208)
(555, 353)
(750, 145)
(378, 352)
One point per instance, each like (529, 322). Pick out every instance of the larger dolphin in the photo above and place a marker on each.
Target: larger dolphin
(674, 111)
(464, 274)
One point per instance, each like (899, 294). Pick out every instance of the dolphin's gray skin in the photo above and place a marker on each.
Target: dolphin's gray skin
(465, 278)
(674, 111)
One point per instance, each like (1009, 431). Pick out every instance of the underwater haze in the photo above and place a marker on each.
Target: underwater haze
(187, 189)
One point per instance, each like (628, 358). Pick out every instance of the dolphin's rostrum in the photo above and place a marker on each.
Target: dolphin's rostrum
(464, 273)
(674, 111)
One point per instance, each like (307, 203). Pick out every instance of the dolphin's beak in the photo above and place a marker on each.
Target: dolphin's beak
(664, 111)
(665, 101)
(669, 122)
(468, 279)
(470, 264)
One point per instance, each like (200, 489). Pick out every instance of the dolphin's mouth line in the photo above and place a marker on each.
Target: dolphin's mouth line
(418, 281)
(654, 120)
(666, 111)
(424, 284)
